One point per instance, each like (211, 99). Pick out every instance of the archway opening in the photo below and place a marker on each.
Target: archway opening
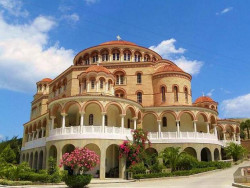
(168, 123)
(40, 164)
(206, 155)
(31, 160)
(95, 172)
(36, 161)
(93, 115)
(191, 151)
(73, 116)
(186, 122)
(201, 123)
(216, 154)
(152, 156)
(129, 122)
(113, 116)
(150, 123)
(68, 148)
(112, 161)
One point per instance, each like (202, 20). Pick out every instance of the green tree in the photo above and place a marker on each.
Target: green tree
(171, 156)
(246, 126)
(8, 155)
(52, 166)
(235, 151)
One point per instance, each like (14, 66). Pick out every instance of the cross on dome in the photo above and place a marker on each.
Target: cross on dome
(118, 37)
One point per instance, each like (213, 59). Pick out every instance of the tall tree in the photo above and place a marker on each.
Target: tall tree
(246, 126)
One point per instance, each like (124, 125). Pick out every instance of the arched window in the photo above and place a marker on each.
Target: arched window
(116, 55)
(109, 84)
(163, 94)
(146, 58)
(84, 84)
(139, 97)
(175, 93)
(138, 78)
(128, 123)
(91, 119)
(95, 57)
(92, 84)
(86, 59)
(127, 55)
(137, 57)
(186, 94)
(101, 83)
(106, 120)
(119, 78)
(105, 55)
(120, 93)
(164, 122)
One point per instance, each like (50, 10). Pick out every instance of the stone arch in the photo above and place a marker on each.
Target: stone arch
(119, 70)
(132, 109)
(151, 151)
(150, 122)
(129, 117)
(112, 161)
(168, 121)
(56, 107)
(237, 129)
(40, 162)
(120, 108)
(216, 154)
(191, 151)
(120, 92)
(220, 130)
(203, 115)
(68, 148)
(206, 154)
(94, 147)
(212, 119)
(139, 115)
(69, 104)
(91, 102)
(53, 151)
(93, 112)
(188, 112)
(186, 119)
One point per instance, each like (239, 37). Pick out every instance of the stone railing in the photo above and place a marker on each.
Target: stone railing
(35, 143)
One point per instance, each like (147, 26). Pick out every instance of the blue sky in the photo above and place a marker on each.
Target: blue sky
(208, 39)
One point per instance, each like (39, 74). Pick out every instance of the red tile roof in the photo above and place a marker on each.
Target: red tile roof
(118, 42)
(203, 99)
(169, 68)
(96, 68)
(46, 80)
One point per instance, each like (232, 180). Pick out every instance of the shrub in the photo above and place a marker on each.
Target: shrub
(186, 162)
(235, 151)
(138, 168)
(77, 181)
(156, 168)
(8, 155)
(216, 164)
(52, 166)
(14, 183)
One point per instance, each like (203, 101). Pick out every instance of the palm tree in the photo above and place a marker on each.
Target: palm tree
(246, 125)
(235, 151)
(171, 155)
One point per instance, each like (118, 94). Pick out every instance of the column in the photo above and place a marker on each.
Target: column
(102, 165)
(103, 122)
(122, 122)
(234, 137)
(195, 128)
(224, 136)
(97, 85)
(238, 137)
(81, 121)
(63, 121)
(52, 122)
(178, 128)
(88, 86)
(33, 135)
(159, 128)
(29, 137)
(208, 128)
(37, 133)
(122, 167)
(135, 123)
(106, 86)
(43, 131)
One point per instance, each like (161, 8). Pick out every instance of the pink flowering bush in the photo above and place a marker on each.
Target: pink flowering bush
(81, 159)
(134, 151)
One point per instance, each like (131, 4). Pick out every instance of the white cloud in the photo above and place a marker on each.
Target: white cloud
(72, 18)
(26, 56)
(210, 93)
(1, 137)
(89, 2)
(14, 7)
(237, 107)
(168, 50)
(224, 11)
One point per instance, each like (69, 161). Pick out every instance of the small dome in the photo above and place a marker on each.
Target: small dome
(46, 80)
(118, 42)
(169, 68)
(96, 68)
(203, 99)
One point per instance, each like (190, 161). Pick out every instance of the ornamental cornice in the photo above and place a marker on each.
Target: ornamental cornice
(175, 74)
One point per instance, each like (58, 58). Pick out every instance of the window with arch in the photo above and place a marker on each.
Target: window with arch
(139, 78)
(176, 94)
(120, 93)
(84, 84)
(128, 123)
(146, 58)
(101, 83)
(95, 57)
(139, 97)
(163, 94)
(116, 55)
(86, 59)
(127, 55)
(186, 94)
(137, 57)
(109, 84)
(91, 119)
(164, 122)
(92, 84)
(106, 120)
(105, 55)
(119, 78)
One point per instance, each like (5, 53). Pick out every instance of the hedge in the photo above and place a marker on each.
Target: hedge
(14, 183)
(176, 173)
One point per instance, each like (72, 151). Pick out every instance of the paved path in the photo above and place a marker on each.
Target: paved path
(218, 179)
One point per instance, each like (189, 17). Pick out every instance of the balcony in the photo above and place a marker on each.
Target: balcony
(90, 132)
(35, 143)
(183, 137)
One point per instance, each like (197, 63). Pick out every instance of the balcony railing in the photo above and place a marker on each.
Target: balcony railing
(81, 132)
(35, 143)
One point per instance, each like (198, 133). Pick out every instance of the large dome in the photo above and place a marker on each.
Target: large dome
(46, 80)
(169, 68)
(97, 68)
(118, 42)
(203, 99)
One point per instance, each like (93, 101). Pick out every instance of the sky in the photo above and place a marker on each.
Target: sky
(208, 39)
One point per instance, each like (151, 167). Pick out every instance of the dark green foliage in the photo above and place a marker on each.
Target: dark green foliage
(245, 126)
(186, 162)
(77, 181)
(176, 173)
(235, 151)
(216, 164)
(138, 168)
(156, 167)
(15, 144)
(8, 155)
(52, 166)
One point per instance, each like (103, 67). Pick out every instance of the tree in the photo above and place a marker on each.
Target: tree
(8, 155)
(235, 151)
(246, 125)
(171, 156)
